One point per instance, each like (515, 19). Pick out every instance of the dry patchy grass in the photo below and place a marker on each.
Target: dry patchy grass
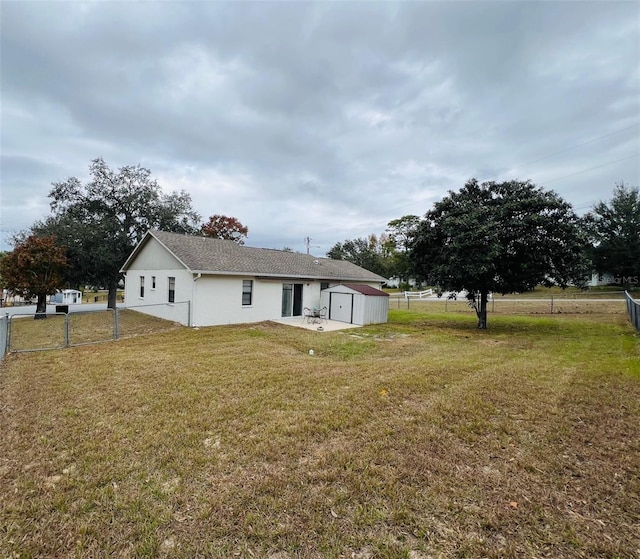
(420, 438)
(83, 328)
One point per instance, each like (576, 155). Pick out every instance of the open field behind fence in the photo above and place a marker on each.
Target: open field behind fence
(500, 305)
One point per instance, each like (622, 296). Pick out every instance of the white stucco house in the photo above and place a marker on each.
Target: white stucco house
(200, 281)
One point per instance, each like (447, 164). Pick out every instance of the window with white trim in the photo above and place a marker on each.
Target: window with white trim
(247, 292)
(172, 290)
(142, 287)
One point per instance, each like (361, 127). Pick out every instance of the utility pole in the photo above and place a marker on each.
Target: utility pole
(307, 241)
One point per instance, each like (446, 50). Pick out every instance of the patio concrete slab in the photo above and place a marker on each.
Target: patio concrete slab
(324, 326)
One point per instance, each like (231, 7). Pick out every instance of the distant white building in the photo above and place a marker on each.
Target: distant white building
(66, 297)
(601, 279)
(395, 281)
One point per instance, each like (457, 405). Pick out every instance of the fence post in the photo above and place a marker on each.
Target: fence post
(551, 304)
(4, 330)
(116, 323)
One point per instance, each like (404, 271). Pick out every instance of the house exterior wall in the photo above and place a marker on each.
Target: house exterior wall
(209, 300)
(218, 299)
(155, 262)
(154, 256)
(156, 300)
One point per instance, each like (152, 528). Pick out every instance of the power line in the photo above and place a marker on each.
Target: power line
(592, 168)
(580, 145)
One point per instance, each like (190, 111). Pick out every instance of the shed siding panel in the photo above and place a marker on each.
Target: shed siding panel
(376, 310)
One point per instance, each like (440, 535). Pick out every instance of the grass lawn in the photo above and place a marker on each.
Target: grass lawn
(421, 438)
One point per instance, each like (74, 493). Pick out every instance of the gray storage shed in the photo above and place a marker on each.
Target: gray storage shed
(356, 304)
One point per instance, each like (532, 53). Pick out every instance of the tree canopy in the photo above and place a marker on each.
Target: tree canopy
(101, 222)
(223, 227)
(401, 234)
(499, 238)
(370, 253)
(614, 228)
(35, 268)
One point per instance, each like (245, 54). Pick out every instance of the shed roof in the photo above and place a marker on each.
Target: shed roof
(366, 290)
(216, 256)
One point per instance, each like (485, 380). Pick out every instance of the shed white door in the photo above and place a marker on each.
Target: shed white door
(341, 307)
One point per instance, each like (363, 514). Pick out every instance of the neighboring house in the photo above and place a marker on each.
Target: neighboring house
(395, 281)
(201, 281)
(601, 279)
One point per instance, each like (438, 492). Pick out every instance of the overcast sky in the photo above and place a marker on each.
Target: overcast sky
(324, 120)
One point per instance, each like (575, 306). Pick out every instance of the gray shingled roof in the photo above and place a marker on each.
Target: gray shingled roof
(215, 256)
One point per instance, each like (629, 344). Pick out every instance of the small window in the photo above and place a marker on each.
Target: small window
(142, 287)
(153, 282)
(247, 291)
(172, 290)
(324, 285)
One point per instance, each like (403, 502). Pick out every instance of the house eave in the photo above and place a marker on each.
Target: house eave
(263, 276)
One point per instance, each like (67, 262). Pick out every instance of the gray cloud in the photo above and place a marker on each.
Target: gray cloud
(320, 119)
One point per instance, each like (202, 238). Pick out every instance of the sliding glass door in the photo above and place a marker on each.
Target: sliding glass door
(292, 299)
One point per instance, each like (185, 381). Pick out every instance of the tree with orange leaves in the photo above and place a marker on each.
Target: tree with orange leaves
(223, 227)
(34, 269)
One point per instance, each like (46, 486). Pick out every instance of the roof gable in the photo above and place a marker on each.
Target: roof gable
(216, 256)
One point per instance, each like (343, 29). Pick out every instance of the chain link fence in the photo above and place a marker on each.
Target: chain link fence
(508, 305)
(633, 308)
(19, 332)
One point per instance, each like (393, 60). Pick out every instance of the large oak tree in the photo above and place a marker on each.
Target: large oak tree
(499, 238)
(101, 222)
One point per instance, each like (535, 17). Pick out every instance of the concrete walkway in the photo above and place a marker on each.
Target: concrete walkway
(324, 326)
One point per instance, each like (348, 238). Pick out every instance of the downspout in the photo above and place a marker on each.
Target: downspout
(193, 298)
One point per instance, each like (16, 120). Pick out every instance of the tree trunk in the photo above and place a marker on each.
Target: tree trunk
(481, 311)
(41, 307)
(113, 295)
